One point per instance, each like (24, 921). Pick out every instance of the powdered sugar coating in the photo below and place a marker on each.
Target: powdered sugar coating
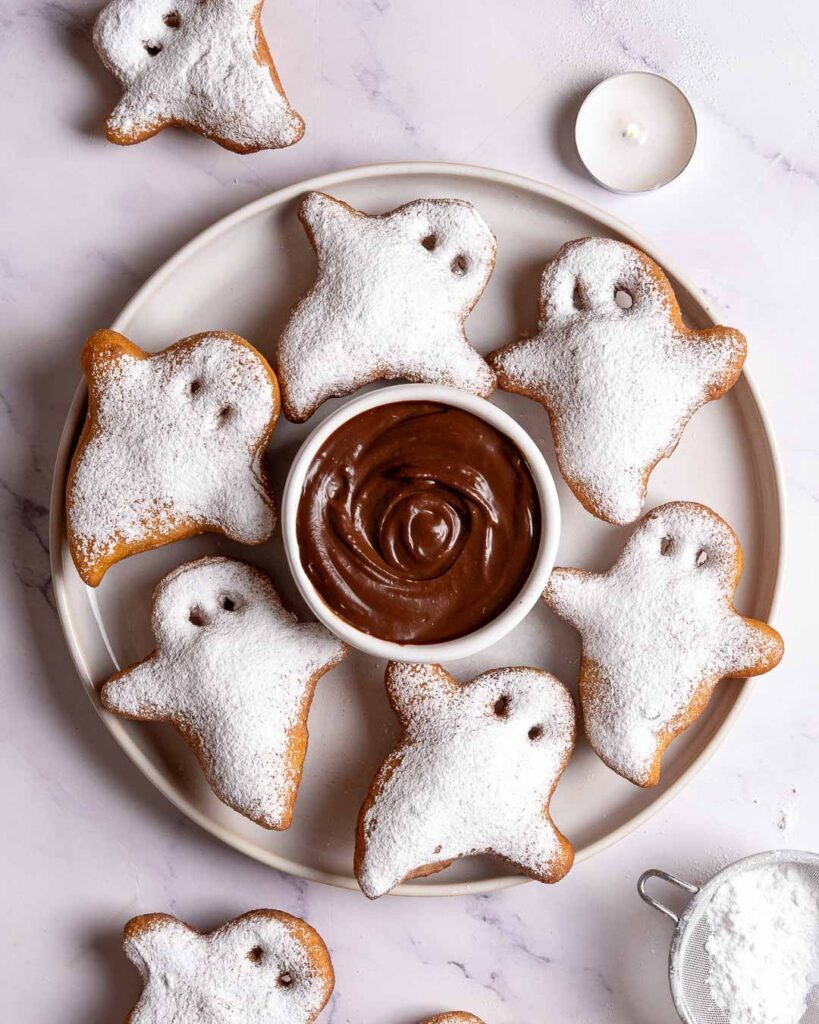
(264, 967)
(619, 384)
(389, 301)
(235, 672)
(659, 631)
(173, 446)
(202, 65)
(763, 944)
(474, 773)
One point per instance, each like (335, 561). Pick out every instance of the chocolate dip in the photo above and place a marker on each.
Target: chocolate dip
(418, 522)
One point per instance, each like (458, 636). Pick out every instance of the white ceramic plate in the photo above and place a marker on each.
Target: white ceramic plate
(243, 275)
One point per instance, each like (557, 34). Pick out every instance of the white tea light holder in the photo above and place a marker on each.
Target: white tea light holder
(635, 132)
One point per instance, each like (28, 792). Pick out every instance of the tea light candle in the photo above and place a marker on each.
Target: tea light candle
(635, 132)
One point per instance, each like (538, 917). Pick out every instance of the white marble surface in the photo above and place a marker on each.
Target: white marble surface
(86, 841)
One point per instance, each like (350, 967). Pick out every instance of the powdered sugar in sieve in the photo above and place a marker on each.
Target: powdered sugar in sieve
(746, 948)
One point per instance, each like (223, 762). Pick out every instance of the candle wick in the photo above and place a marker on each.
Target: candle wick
(634, 133)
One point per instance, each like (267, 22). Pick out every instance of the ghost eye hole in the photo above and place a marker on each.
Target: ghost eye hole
(225, 414)
(666, 546)
(501, 706)
(623, 298)
(227, 603)
(701, 559)
(196, 616)
(459, 265)
(195, 387)
(256, 955)
(535, 733)
(286, 979)
(172, 19)
(429, 242)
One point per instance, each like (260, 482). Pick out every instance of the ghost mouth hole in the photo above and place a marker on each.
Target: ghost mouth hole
(535, 733)
(624, 299)
(429, 242)
(459, 265)
(701, 559)
(256, 955)
(196, 616)
(286, 979)
(577, 297)
(153, 49)
(172, 19)
(501, 706)
(666, 546)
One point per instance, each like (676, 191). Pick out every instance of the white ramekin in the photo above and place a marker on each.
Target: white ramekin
(498, 627)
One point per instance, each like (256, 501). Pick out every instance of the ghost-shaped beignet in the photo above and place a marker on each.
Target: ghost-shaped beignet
(265, 967)
(172, 446)
(234, 672)
(204, 66)
(389, 301)
(454, 1017)
(659, 631)
(617, 370)
(473, 774)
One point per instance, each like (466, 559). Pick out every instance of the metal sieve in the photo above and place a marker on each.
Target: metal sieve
(688, 962)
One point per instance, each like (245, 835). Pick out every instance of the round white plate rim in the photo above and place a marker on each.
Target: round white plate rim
(57, 532)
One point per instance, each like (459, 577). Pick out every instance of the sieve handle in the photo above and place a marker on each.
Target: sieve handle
(672, 880)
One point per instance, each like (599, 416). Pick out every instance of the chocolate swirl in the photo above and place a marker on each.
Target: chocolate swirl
(418, 522)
